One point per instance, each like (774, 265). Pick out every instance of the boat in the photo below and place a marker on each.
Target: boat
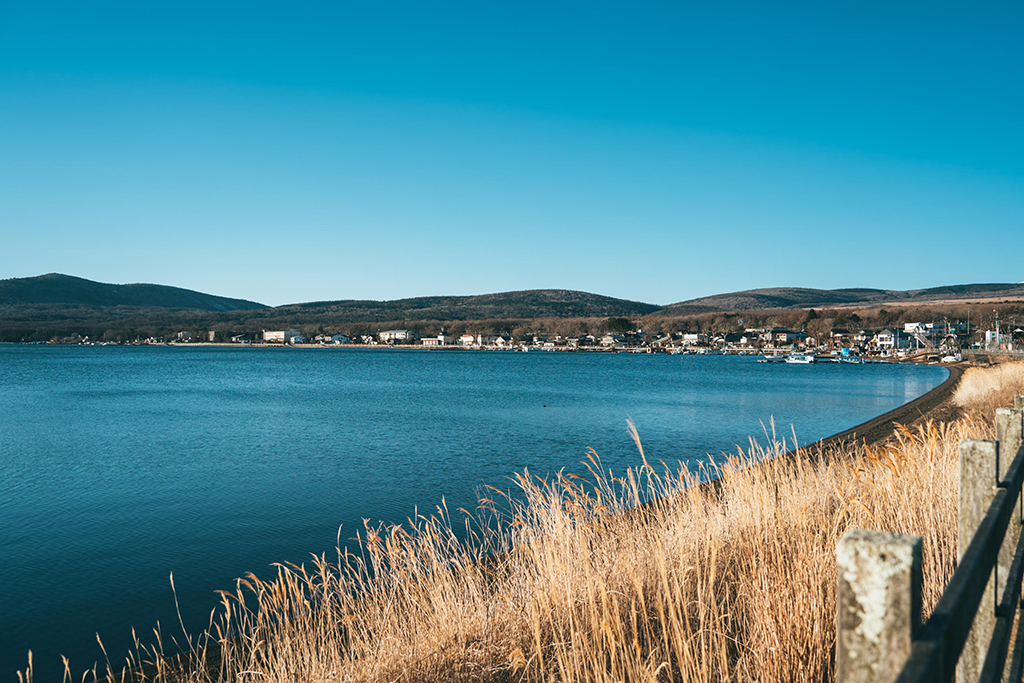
(851, 360)
(801, 358)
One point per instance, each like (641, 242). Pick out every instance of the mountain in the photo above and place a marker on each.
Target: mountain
(57, 289)
(535, 303)
(797, 297)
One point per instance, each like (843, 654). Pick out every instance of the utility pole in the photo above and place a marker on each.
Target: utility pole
(997, 329)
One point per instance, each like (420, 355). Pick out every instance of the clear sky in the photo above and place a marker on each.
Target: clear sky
(290, 152)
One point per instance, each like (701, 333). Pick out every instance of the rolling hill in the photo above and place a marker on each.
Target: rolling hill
(797, 297)
(58, 306)
(57, 289)
(536, 303)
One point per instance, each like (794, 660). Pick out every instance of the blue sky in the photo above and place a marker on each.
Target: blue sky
(380, 150)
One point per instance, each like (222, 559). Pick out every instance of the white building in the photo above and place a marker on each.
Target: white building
(467, 340)
(885, 339)
(340, 339)
(282, 336)
(440, 340)
(397, 336)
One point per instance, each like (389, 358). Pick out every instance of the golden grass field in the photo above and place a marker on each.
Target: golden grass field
(572, 579)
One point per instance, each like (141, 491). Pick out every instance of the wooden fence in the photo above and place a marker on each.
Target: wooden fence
(879, 634)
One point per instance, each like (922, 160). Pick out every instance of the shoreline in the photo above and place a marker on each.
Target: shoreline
(881, 427)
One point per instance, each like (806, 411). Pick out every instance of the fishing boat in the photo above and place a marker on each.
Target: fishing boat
(801, 358)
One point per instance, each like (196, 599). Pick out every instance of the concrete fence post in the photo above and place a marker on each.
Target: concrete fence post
(1009, 429)
(1009, 432)
(1018, 401)
(878, 600)
(979, 467)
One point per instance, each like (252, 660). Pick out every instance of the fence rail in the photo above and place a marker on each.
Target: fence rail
(879, 634)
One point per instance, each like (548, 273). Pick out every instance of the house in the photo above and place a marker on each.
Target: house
(440, 340)
(241, 339)
(397, 336)
(862, 337)
(282, 336)
(886, 339)
(184, 336)
(340, 339)
(694, 338)
(789, 336)
(889, 340)
(840, 336)
(467, 340)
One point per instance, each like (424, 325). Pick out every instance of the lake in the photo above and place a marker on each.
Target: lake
(121, 465)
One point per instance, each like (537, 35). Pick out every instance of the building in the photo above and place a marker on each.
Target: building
(397, 336)
(282, 336)
(340, 339)
(789, 337)
(885, 339)
(734, 339)
(467, 340)
(889, 340)
(440, 340)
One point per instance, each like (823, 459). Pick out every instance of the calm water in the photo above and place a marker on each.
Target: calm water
(121, 465)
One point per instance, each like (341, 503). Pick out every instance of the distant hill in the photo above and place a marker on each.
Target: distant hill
(61, 306)
(797, 297)
(58, 289)
(535, 303)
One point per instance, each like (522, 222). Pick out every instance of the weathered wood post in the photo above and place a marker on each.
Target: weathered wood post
(878, 599)
(979, 469)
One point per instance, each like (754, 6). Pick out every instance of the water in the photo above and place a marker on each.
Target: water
(120, 465)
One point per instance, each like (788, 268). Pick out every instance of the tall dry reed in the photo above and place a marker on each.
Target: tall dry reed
(982, 390)
(594, 577)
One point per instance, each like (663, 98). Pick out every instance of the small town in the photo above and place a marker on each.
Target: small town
(946, 340)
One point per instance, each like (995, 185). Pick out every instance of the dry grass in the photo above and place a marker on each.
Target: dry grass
(575, 579)
(984, 389)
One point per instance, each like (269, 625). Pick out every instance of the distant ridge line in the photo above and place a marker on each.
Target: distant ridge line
(802, 297)
(54, 290)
